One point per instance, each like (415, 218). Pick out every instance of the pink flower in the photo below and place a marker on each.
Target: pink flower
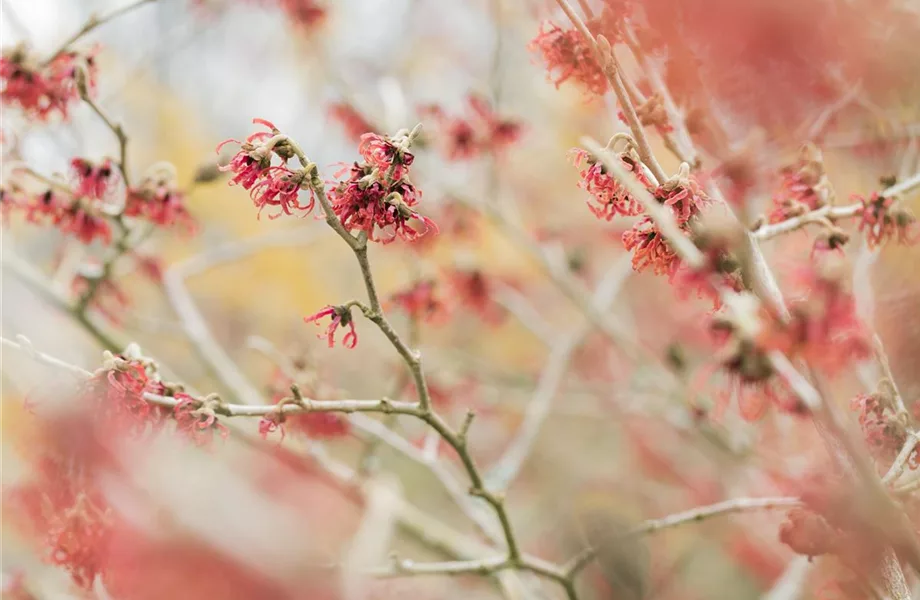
(84, 221)
(306, 13)
(341, 317)
(280, 187)
(883, 219)
(353, 122)
(463, 138)
(568, 56)
(422, 301)
(473, 289)
(41, 90)
(382, 153)
(683, 195)
(197, 421)
(93, 180)
(650, 249)
(253, 157)
(381, 208)
(610, 196)
(158, 200)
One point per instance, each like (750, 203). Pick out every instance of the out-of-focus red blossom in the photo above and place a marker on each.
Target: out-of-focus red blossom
(483, 131)
(884, 430)
(15, 588)
(116, 394)
(93, 180)
(341, 317)
(352, 121)
(718, 236)
(323, 425)
(423, 301)
(804, 186)
(84, 220)
(473, 289)
(377, 197)
(882, 219)
(610, 196)
(824, 327)
(158, 199)
(306, 13)
(41, 89)
(149, 266)
(568, 56)
(196, 420)
(108, 299)
(765, 62)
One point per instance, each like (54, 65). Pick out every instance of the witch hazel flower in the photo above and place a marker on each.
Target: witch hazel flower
(805, 186)
(568, 56)
(610, 197)
(884, 218)
(483, 131)
(650, 249)
(269, 185)
(377, 198)
(84, 219)
(158, 199)
(197, 419)
(42, 89)
(423, 301)
(683, 195)
(93, 179)
(340, 317)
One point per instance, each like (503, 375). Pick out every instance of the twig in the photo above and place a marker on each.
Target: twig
(897, 467)
(504, 471)
(95, 21)
(694, 515)
(611, 68)
(882, 358)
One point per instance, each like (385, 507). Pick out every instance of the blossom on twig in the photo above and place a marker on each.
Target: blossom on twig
(341, 317)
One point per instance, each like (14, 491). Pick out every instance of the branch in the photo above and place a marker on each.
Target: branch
(95, 21)
(694, 515)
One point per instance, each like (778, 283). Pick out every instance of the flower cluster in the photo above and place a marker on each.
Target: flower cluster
(824, 328)
(884, 218)
(884, 429)
(473, 289)
(158, 199)
(423, 301)
(610, 197)
(340, 317)
(804, 187)
(481, 132)
(352, 121)
(568, 55)
(307, 14)
(269, 185)
(377, 197)
(43, 89)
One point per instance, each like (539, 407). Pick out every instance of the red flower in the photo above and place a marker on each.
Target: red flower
(254, 156)
(473, 289)
(196, 420)
(280, 186)
(353, 122)
(683, 195)
(804, 187)
(568, 56)
(422, 301)
(382, 153)
(93, 180)
(306, 13)
(610, 196)
(464, 138)
(824, 328)
(158, 200)
(117, 394)
(381, 208)
(883, 219)
(41, 90)
(650, 249)
(341, 317)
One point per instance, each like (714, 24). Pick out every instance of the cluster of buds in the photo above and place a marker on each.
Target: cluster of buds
(276, 186)
(482, 132)
(805, 186)
(378, 198)
(41, 89)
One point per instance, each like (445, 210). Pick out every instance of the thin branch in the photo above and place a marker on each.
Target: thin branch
(95, 21)
(897, 467)
(694, 515)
